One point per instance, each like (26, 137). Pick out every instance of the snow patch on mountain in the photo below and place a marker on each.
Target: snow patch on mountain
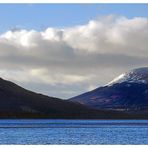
(139, 75)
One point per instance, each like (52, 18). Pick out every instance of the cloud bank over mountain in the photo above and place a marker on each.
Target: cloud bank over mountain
(65, 62)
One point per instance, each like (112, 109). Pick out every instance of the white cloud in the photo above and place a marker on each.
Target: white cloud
(78, 57)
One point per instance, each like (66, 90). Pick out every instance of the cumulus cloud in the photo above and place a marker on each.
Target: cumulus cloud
(65, 62)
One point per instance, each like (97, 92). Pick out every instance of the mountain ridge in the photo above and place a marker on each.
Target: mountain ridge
(17, 102)
(128, 93)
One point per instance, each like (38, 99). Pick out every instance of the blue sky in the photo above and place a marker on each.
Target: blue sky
(42, 16)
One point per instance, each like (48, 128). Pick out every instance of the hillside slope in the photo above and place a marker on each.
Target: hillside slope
(128, 93)
(17, 102)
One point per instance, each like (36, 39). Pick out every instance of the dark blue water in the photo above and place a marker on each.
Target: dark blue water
(73, 131)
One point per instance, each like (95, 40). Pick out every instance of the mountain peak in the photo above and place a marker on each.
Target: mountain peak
(127, 93)
(138, 75)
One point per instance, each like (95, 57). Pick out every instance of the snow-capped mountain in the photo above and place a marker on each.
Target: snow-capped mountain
(128, 92)
(139, 75)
